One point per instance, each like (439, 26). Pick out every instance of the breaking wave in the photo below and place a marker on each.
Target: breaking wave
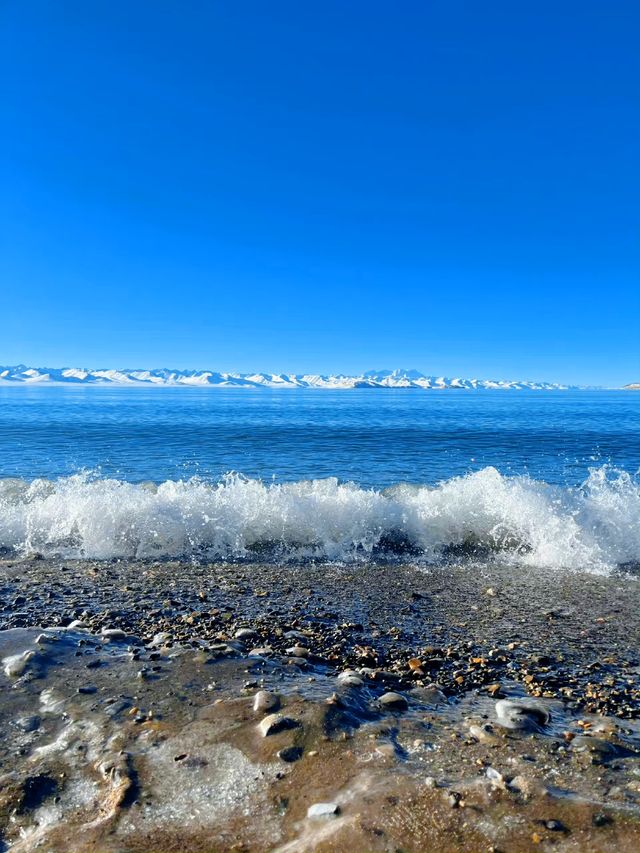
(595, 526)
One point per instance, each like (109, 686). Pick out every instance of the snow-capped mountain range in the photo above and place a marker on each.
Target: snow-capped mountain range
(21, 374)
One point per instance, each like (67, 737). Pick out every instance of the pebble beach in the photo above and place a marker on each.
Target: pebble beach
(167, 706)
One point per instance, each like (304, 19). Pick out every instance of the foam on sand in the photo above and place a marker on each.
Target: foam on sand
(594, 526)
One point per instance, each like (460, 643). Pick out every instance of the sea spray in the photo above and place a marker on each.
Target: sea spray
(594, 526)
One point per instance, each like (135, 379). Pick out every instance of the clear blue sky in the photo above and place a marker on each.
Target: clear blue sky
(322, 186)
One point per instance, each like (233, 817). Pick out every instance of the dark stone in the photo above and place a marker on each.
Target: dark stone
(290, 753)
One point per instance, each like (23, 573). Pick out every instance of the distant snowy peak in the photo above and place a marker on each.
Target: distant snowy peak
(21, 374)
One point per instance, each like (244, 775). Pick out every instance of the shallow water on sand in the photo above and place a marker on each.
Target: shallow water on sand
(159, 747)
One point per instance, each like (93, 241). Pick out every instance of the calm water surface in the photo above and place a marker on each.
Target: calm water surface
(371, 437)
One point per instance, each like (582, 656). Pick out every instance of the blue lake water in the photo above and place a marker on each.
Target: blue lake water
(537, 478)
(371, 437)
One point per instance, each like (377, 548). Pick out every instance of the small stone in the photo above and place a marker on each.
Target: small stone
(261, 652)
(483, 733)
(113, 635)
(599, 748)
(600, 819)
(77, 624)
(521, 714)
(323, 810)
(393, 701)
(265, 702)
(94, 664)
(28, 724)
(495, 777)
(298, 652)
(87, 689)
(521, 785)
(290, 754)
(350, 678)
(41, 639)
(159, 640)
(245, 634)
(432, 695)
(555, 826)
(274, 723)
(454, 799)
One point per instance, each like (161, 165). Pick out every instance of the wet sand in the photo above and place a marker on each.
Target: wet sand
(147, 739)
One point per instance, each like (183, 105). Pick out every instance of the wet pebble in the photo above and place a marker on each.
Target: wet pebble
(483, 733)
(28, 724)
(432, 695)
(555, 826)
(245, 634)
(393, 701)
(298, 652)
(350, 679)
(113, 635)
(159, 640)
(265, 702)
(597, 747)
(274, 723)
(522, 714)
(261, 652)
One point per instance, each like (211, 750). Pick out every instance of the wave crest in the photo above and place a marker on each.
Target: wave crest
(594, 526)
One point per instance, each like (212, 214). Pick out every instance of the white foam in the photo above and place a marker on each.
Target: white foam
(595, 526)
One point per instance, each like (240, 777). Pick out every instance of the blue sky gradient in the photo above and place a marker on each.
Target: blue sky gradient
(322, 186)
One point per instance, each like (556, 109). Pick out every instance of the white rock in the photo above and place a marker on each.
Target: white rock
(113, 635)
(322, 810)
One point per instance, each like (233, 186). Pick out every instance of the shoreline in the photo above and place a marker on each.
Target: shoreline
(541, 628)
(427, 711)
